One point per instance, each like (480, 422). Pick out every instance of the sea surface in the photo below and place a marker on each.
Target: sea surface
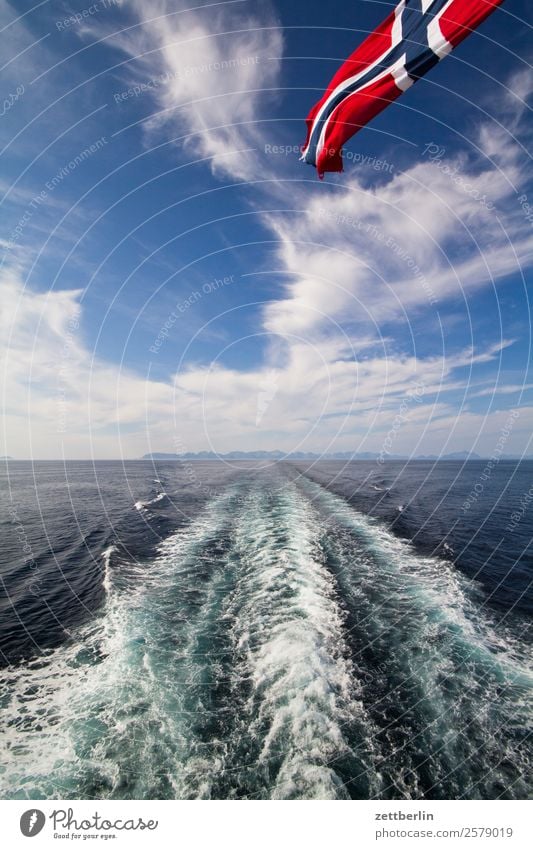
(276, 631)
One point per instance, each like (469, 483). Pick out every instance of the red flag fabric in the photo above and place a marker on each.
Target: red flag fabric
(409, 42)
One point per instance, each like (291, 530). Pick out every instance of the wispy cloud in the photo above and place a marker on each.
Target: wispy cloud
(209, 71)
(415, 243)
(58, 398)
(351, 259)
(61, 398)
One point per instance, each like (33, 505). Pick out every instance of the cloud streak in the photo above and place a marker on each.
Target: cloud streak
(215, 67)
(352, 260)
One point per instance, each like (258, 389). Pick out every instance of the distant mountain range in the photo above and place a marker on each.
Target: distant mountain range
(296, 455)
(309, 455)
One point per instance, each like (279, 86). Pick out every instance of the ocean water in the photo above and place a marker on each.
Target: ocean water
(285, 631)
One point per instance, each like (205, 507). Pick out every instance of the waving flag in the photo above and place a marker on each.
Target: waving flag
(414, 37)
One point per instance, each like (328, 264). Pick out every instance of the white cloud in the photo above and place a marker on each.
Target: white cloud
(327, 395)
(448, 226)
(60, 399)
(57, 398)
(519, 90)
(213, 68)
(419, 240)
(352, 258)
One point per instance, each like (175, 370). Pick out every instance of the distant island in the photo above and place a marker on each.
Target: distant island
(309, 455)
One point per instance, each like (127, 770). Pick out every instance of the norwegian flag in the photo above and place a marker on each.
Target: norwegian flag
(414, 37)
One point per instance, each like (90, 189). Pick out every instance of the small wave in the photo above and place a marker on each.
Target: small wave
(143, 505)
(113, 695)
(106, 557)
(303, 703)
(281, 645)
(435, 654)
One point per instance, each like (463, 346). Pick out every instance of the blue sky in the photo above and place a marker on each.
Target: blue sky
(174, 278)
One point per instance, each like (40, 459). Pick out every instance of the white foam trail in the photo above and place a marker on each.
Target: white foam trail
(432, 581)
(101, 715)
(436, 654)
(106, 556)
(288, 630)
(224, 667)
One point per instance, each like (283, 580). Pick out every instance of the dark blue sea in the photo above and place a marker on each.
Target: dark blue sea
(327, 630)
